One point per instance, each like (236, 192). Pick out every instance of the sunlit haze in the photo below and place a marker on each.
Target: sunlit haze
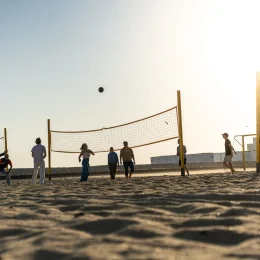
(55, 54)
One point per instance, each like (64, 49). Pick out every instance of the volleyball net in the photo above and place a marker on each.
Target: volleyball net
(246, 144)
(3, 142)
(154, 129)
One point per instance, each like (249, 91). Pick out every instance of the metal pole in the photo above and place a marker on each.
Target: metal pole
(49, 149)
(243, 153)
(6, 146)
(5, 136)
(180, 133)
(258, 122)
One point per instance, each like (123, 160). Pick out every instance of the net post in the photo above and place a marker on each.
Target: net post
(258, 122)
(5, 136)
(6, 144)
(49, 148)
(243, 152)
(180, 133)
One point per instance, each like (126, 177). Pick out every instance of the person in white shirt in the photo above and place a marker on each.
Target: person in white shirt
(85, 153)
(38, 154)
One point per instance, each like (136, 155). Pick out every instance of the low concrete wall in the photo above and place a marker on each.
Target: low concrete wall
(103, 169)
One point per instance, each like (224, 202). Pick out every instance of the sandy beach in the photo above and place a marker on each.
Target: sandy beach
(205, 216)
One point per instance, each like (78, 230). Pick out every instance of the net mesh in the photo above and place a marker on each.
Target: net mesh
(2, 144)
(154, 129)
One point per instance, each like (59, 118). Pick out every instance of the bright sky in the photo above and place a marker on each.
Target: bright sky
(55, 54)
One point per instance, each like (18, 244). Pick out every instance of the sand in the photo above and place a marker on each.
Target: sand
(211, 216)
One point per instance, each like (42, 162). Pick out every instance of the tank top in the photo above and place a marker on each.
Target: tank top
(86, 154)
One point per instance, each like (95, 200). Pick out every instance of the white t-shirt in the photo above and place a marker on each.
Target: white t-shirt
(86, 155)
(38, 152)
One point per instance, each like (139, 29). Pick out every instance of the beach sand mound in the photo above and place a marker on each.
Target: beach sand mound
(212, 216)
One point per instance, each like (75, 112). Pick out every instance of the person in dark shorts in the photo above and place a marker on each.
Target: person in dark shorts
(185, 158)
(113, 162)
(228, 153)
(4, 162)
(127, 155)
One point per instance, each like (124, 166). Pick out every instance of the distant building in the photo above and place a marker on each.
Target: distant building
(250, 156)
(252, 147)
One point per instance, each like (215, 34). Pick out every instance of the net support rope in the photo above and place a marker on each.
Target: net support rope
(158, 128)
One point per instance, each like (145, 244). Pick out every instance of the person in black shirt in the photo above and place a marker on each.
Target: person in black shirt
(4, 162)
(228, 153)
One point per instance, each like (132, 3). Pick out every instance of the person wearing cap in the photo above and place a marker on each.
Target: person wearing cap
(127, 155)
(4, 162)
(113, 162)
(38, 154)
(185, 158)
(228, 153)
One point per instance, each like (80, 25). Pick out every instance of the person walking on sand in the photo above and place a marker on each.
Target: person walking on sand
(85, 153)
(113, 162)
(185, 158)
(38, 154)
(4, 162)
(127, 154)
(228, 153)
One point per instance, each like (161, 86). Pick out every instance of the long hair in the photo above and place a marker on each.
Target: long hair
(84, 146)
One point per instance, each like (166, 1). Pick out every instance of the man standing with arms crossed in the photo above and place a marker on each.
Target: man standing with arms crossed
(127, 154)
(228, 153)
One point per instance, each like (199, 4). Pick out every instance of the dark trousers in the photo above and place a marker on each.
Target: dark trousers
(85, 169)
(130, 165)
(112, 170)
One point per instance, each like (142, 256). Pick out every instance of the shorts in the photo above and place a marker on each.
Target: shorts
(227, 159)
(129, 164)
(185, 160)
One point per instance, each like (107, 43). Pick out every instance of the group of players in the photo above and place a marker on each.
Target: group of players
(126, 158)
